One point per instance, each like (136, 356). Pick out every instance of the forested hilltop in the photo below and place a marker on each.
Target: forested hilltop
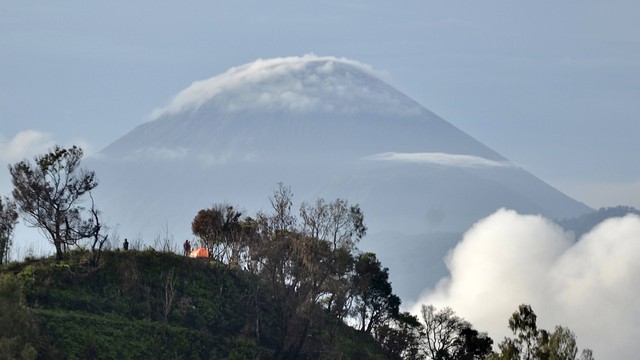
(158, 305)
(267, 286)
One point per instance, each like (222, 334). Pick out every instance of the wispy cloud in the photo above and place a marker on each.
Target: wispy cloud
(590, 285)
(159, 153)
(24, 145)
(439, 158)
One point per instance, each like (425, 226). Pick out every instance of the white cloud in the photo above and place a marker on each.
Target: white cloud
(24, 145)
(296, 84)
(591, 286)
(159, 153)
(438, 159)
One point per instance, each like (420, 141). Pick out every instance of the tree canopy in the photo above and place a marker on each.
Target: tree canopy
(532, 343)
(49, 193)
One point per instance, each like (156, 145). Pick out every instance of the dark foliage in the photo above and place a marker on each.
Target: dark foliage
(164, 306)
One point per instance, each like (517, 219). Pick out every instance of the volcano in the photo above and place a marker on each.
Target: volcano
(327, 127)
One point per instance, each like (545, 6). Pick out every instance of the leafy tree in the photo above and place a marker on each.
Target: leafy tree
(533, 343)
(508, 350)
(309, 268)
(337, 222)
(375, 302)
(207, 226)
(400, 338)
(471, 344)
(8, 221)
(220, 231)
(49, 194)
(561, 344)
(340, 225)
(523, 325)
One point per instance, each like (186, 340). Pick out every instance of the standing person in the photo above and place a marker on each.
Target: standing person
(125, 246)
(187, 247)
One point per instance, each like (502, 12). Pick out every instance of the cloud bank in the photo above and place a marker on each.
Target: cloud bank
(590, 285)
(438, 158)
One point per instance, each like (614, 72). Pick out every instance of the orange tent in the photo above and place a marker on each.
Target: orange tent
(199, 253)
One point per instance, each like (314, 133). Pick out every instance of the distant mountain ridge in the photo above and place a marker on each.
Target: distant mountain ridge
(583, 224)
(326, 127)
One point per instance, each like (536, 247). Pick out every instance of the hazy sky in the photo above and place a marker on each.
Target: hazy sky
(551, 85)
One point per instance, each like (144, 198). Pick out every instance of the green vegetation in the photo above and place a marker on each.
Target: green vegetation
(532, 343)
(147, 304)
(8, 221)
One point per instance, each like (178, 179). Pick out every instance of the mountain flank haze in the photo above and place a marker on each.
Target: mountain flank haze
(327, 127)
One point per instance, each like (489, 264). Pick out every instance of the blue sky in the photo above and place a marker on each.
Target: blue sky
(551, 85)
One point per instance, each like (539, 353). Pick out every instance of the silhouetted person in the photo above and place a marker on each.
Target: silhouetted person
(187, 247)
(125, 245)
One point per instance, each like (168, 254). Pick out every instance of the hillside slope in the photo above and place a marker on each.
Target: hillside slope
(147, 304)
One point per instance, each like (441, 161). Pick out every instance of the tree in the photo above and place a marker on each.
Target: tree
(532, 343)
(207, 226)
(448, 336)
(220, 230)
(400, 339)
(471, 344)
(93, 229)
(561, 344)
(337, 222)
(281, 202)
(441, 330)
(523, 325)
(341, 226)
(375, 302)
(49, 194)
(8, 221)
(307, 263)
(586, 354)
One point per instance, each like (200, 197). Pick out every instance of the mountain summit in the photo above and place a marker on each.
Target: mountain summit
(307, 84)
(293, 108)
(328, 127)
